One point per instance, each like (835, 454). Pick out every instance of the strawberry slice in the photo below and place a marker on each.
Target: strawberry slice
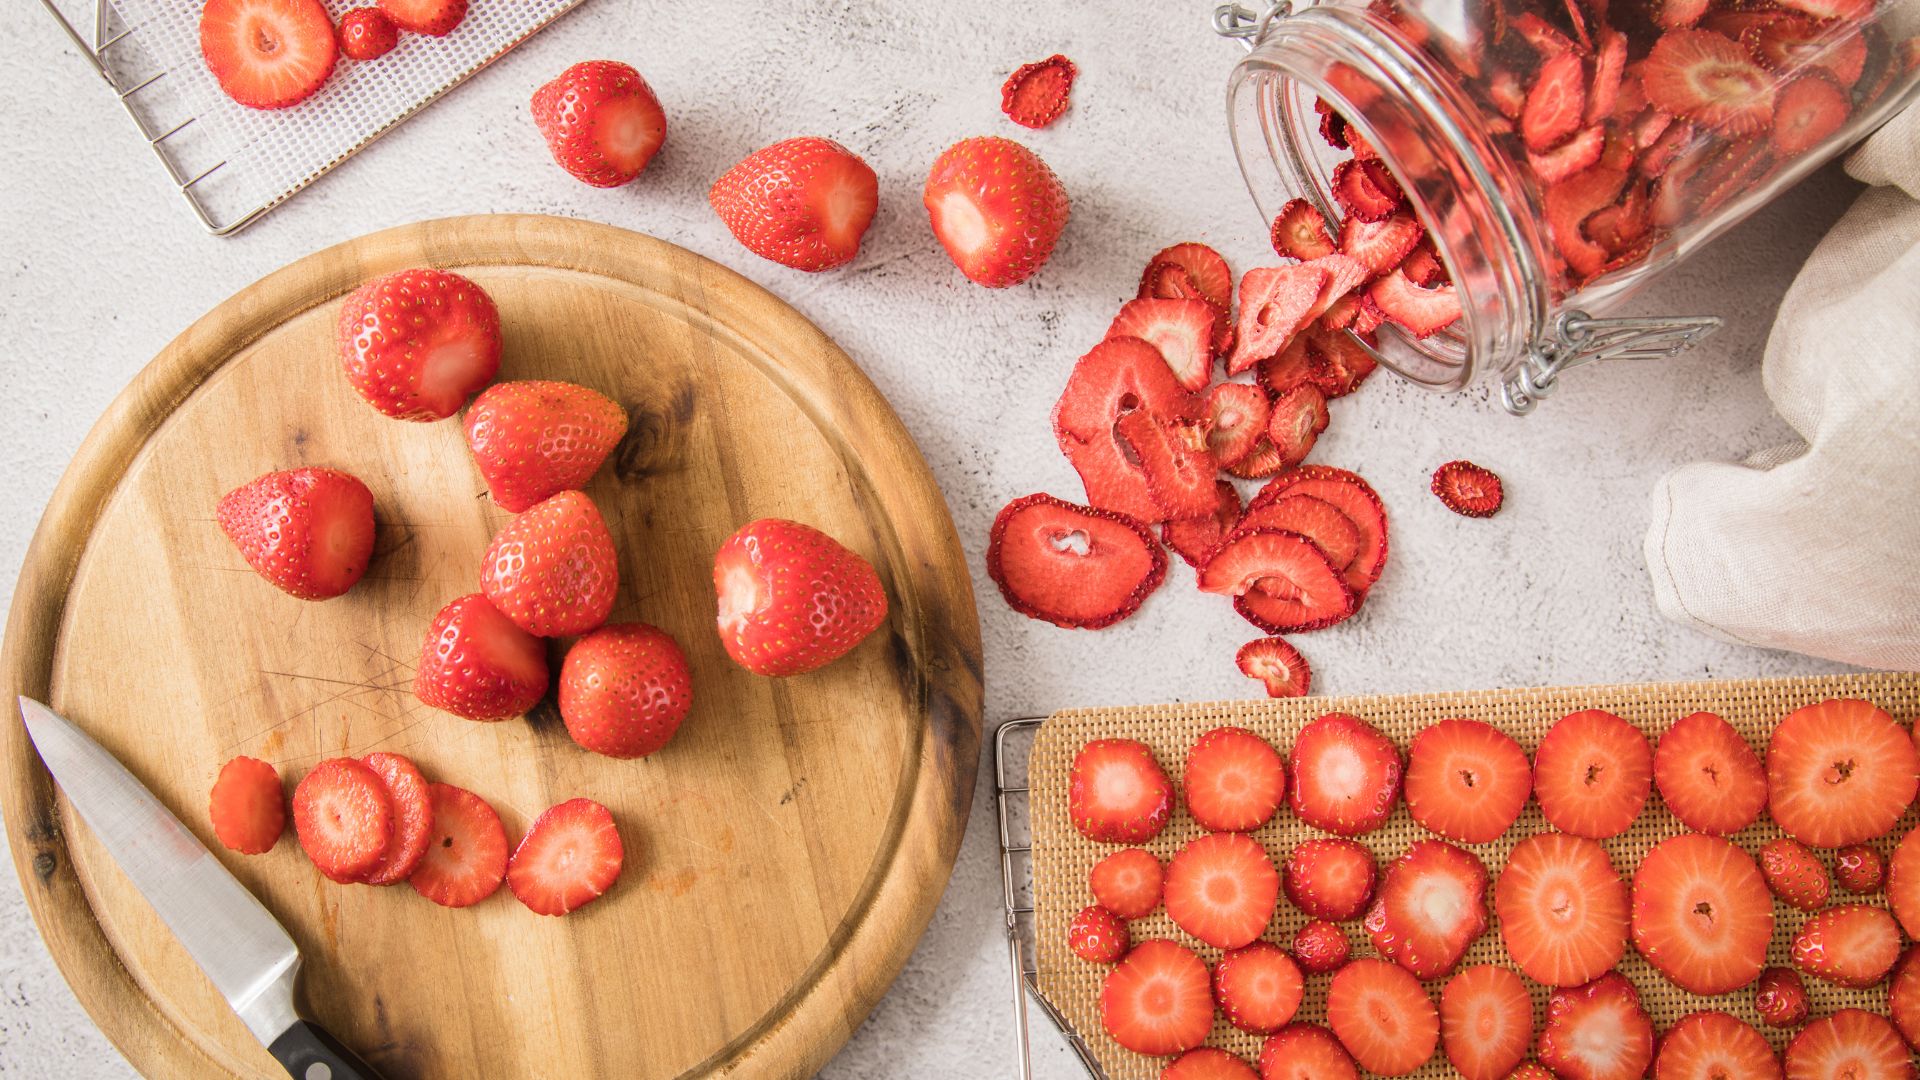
(247, 807)
(1365, 190)
(1115, 376)
(1208, 1063)
(1708, 78)
(1221, 888)
(1701, 913)
(435, 18)
(1287, 368)
(1277, 664)
(1333, 126)
(1859, 869)
(1597, 1031)
(342, 818)
(268, 54)
(1181, 329)
(1851, 1044)
(1261, 462)
(1128, 883)
(1295, 422)
(1568, 205)
(1116, 793)
(1036, 94)
(1097, 935)
(1577, 153)
(1903, 996)
(1259, 987)
(412, 818)
(1158, 1000)
(1333, 532)
(1562, 909)
(1307, 593)
(569, 859)
(1195, 538)
(1344, 274)
(1345, 775)
(1903, 882)
(1507, 93)
(1337, 363)
(1557, 103)
(1420, 312)
(1592, 773)
(1383, 1017)
(1795, 874)
(1711, 1044)
(466, 855)
(1368, 318)
(1380, 245)
(1780, 998)
(1305, 1052)
(1344, 312)
(1321, 947)
(1853, 11)
(1676, 14)
(1466, 780)
(1350, 495)
(1204, 275)
(1853, 945)
(1073, 566)
(1234, 781)
(1467, 489)
(1486, 1021)
(1609, 70)
(1840, 772)
(1806, 111)
(1238, 413)
(1274, 303)
(1423, 266)
(1539, 34)
(1330, 878)
(1795, 43)
(1173, 455)
(1300, 232)
(1432, 905)
(1708, 775)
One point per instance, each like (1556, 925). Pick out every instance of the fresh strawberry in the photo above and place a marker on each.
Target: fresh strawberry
(1158, 1000)
(793, 599)
(1208, 1063)
(1239, 413)
(602, 123)
(1128, 883)
(1853, 945)
(307, 531)
(1300, 232)
(1859, 869)
(1297, 419)
(1466, 780)
(1467, 489)
(625, 689)
(1714, 1046)
(367, 33)
(1304, 591)
(1531, 1070)
(1597, 1032)
(1115, 377)
(1036, 94)
(996, 208)
(1305, 1052)
(533, 439)
(1277, 664)
(436, 18)
(1330, 878)
(247, 807)
(1345, 775)
(342, 817)
(1182, 331)
(1432, 905)
(1258, 986)
(1903, 882)
(1903, 996)
(412, 818)
(1320, 947)
(1380, 245)
(1780, 998)
(804, 203)
(1420, 312)
(1840, 772)
(1072, 566)
(1234, 780)
(1486, 1021)
(1557, 103)
(1795, 874)
(1221, 888)
(417, 344)
(1707, 78)
(1173, 456)
(466, 855)
(1806, 111)
(568, 859)
(553, 570)
(476, 663)
(268, 54)
(1117, 793)
(1195, 538)
(1350, 495)
(1383, 1017)
(1708, 775)
(1365, 190)
(1701, 913)
(1097, 935)
(1851, 1044)
(1333, 532)
(1562, 909)
(1592, 773)
(1274, 303)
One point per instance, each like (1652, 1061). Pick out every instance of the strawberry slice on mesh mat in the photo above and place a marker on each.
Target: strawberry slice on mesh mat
(1793, 42)
(1383, 1017)
(1708, 78)
(1036, 94)
(1432, 904)
(1274, 302)
(1234, 780)
(1238, 413)
(1598, 1031)
(1117, 793)
(1486, 1022)
(1365, 190)
(1806, 111)
(1073, 566)
(1259, 989)
(1849, 1043)
(1222, 889)
(1352, 496)
(1467, 489)
(1420, 312)
(1557, 104)
(1300, 232)
(1277, 664)
(1158, 1000)
(1702, 915)
(1195, 538)
(1380, 245)
(1208, 1063)
(1182, 330)
(1333, 532)
(1304, 591)
(1173, 454)
(1116, 376)
(1297, 419)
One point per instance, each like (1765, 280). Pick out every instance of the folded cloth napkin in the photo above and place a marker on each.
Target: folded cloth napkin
(1814, 546)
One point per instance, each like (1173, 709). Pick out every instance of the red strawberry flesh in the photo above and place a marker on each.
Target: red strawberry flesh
(1073, 566)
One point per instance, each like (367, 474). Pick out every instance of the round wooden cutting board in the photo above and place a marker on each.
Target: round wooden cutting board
(784, 852)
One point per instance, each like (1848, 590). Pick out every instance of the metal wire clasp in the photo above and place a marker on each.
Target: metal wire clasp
(1246, 25)
(1578, 339)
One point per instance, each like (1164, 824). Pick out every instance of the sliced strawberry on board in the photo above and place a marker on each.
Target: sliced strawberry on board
(1208, 1063)
(1305, 592)
(603, 125)
(1557, 103)
(1592, 773)
(1097, 935)
(1333, 532)
(342, 818)
(1701, 913)
(1221, 888)
(1117, 794)
(1851, 1044)
(1158, 1000)
(1195, 538)
(268, 54)
(1128, 883)
(1709, 1044)
(412, 818)
(1238, 413)
(1274, 303)
(1806, 111)
(1840, 772)
(1853, 945)
(1345, 775)
(1365, 190)
(1795, 874)
(1903, 996)
(309, 532)
(1259, 987)
(476, 663)
(803, 203)
(1181, 329)
(247, 807)
(1116, 376)
(1305, 1052)
(1432, 905)
(1780, 998)
(569, 858)
(1320, 947)
(1708, 78)
(1234, 781)
(1383, 1017)
(1295, 423)
(1380, 245)
(1330, 878)
(1466, 780)
(1277, 664)
(1859, 869)
(1420, 312)
(466, 858)
(996, 208)
(416, 344)
(1073, 566)
(553, 569)
(1179, 468)
(1036, 94)
(1562, 909)
(1576, 153)
(1486, 1022)
(1350, 495)
(1468, 489)
(1708, 775)
(1300, 232)
(533, 438)
(435, 18)
(1597, 1031)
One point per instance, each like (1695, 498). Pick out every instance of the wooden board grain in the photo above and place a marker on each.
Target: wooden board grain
(784, 852)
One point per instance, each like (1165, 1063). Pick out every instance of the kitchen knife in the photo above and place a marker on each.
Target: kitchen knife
(235, 940)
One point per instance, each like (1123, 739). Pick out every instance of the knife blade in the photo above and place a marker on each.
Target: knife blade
(245, 952)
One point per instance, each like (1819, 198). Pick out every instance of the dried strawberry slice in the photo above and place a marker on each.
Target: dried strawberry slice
(1420, 312)
(1468, 489)
(1678, 14)
(1274, 302)
(1261, 462)
(1572, 156)
(1333, 126)
(1806, 111)
(1674, 139)
(1300, 232)
(1070, 565)
(1298, 418)
(1423, 266)
(1350, 495)
(1577, 19)
(1507, 93)
(1647, 128)
(1344, 274)
(1795, 42)
(1708, 78)
(1173, 455)
(1609, 67)
(1195, 538)
(1366, 321)
(1333, 532)
(1621, 226)
(1036, 94)
(1305, 592)
(1277, 664)
(1853, 11)
(1557, 102)
(1337, 364)
(1181, 329)
(1118, 375)
(1380, 245)
(1540, 34)
(1362, 149)
(1204, 275)
(1568, 205)
(1287, 368)
(1342, 313)
(1239, 413)
(1365, 190)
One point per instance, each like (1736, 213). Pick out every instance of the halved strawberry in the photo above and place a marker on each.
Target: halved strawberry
(1701, 913)
(1158, 1000)
(1708, 78)
(1569, 203)
(1806, 111)
(1117, 794)
(1116, 376)
(1181, 329)
(466, 856)
(1300, 232)
(1238, 412)
(1305, 592)
(1234, 780)
(1330, 878)
(1072, 566)
(996, 208)
(1305, 1052)
(1128, 883)
(412, 818)
(1274, 302)
(1432, 905)
(1796, 43)
(1365, 190)
(1321, 947)
(1903, 996)
(268, 54)
(1297, 419)
(1208, 1063)
(1597, 1031)
(1486, 1021)
(1420, 312)
(1195, 538)
(1708, 775)
(1591, 773)
(1903, 882)
(247, 807)
(1562, 909)
(1780, 998)
(1576, 153)
(1466, 780)
(1221, 888)
(1840, 772)
(1859, 869)
(1468, 489)
(1345, 775)
(343, 818)
(1851, 1044)
(1712, 1045)
(1380, 245)
(1383, 1017)
(1097, 935)
(1795, 874)
(1556, 104)
(1333, 532)
(1853, 945)
(1036, 94)
(1277, 664)
(1259, 987)
(569, 858)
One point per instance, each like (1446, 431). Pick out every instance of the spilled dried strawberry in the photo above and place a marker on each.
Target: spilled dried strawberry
(1036, 94)
(1468, 489)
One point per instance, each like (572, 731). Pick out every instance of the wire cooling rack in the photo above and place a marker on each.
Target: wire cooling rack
(233, 164)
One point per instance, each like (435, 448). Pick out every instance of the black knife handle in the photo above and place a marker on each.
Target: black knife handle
(309, 1053)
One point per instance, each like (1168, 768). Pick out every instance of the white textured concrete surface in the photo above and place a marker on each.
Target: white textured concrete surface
(102, 265)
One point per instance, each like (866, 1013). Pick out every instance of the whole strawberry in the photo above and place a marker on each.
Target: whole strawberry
(435, 18)
(793, 599)
(803, 203)
(367, 33)
(418, 343)
(553, 570)
(624, 689)
(534, 438)
(475, 663)
(996, 208)
(601, 121)
(1780, 997)
(308, 531)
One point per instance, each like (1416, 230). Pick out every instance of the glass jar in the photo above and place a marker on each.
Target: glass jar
(1548, 215)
